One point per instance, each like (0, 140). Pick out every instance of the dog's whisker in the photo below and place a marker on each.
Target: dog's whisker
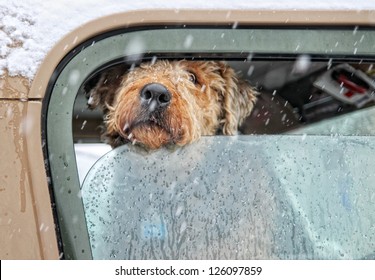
(126, 128)
(130, 136)
(91, 100)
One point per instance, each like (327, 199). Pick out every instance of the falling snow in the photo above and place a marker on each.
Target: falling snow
(302, 64)
(30, 28)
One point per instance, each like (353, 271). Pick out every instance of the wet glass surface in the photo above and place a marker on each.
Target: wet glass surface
(244, 197)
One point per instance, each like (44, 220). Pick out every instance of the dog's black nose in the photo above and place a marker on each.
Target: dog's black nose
(155, 96)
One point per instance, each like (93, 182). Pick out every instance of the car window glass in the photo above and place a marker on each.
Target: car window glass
(245, 197)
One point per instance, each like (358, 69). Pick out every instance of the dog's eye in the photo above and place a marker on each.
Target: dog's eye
(192, 78)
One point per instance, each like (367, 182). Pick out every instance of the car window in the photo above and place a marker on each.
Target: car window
(291, 68)
(245, 197)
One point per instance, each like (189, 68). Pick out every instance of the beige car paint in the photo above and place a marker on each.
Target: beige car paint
(27, 229)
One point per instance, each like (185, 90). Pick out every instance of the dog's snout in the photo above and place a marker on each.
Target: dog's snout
(155, 96)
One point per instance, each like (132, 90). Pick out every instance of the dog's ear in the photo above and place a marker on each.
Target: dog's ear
(238, 100)
(101, 90)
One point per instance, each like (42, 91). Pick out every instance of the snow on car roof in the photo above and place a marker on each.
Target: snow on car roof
(29, 29)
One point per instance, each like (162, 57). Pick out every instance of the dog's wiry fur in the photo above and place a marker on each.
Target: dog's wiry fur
(206, 97)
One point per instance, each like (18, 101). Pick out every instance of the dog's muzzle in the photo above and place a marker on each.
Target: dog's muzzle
(155, 97)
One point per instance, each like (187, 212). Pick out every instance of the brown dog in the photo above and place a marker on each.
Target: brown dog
(171, 102)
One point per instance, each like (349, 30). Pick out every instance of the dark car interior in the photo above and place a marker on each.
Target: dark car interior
(294, 93)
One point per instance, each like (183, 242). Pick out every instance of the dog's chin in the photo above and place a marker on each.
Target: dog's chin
(150, 136)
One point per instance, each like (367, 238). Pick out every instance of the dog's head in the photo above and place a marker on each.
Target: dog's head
(173, 102)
